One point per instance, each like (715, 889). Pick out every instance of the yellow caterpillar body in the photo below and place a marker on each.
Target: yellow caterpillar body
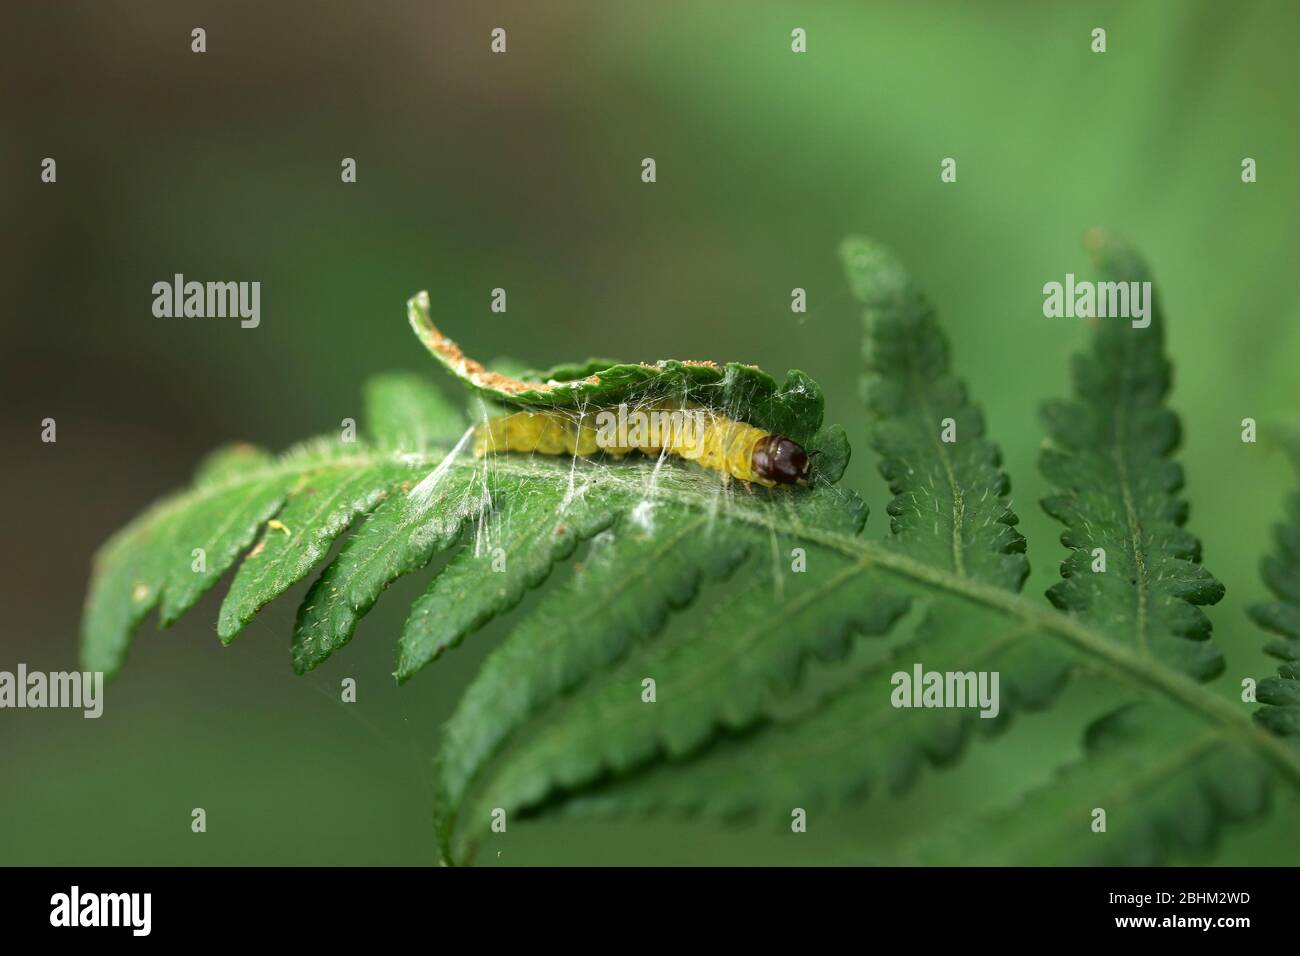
(692, 432)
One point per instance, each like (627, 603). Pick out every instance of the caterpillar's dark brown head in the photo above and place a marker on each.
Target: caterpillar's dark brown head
(778, 459)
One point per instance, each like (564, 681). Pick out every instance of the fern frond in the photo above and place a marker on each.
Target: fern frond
(950, 507)
(950, 510)
(622, 594)
(556, 714)
(1109, 457)
(406, 493)
(513, 551)
(300, 502)
(588, 749)
(716, 675)
(1280, 696)
(1166, 779)
(177, 550)
(849, 742)
(1153, 781)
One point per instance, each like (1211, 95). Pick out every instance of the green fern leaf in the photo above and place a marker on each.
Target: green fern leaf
(1280, 696)
(321, 509)
(624, 590)
(405, 412)
(1167, 780)
(950, 506)
(851, 741)
(601, 751)
(1153, 782)
(402, 535)
(177, 550)
(407, 493)
(514, 551)
(950, 510)
(556, 714)
(1118, 491)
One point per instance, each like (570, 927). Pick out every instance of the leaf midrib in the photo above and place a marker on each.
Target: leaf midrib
(958, 500)
(1126, 493)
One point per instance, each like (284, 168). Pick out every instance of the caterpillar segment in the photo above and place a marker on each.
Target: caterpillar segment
(695, 433)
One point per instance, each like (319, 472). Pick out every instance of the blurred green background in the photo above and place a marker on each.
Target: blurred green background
(522, 171)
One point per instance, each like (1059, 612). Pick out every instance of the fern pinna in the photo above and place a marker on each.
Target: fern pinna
(615, 695)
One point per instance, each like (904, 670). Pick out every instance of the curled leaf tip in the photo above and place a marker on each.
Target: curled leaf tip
(457, 362)
(743, 392)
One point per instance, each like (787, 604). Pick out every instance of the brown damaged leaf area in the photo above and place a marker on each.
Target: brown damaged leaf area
(479, 375)
(467, 367)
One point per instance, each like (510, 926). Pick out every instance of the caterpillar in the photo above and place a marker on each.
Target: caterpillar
(693, 432)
